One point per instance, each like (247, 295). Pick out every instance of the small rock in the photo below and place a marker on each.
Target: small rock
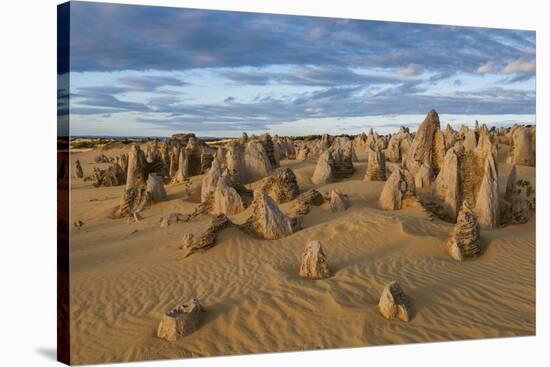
(180, 321)
(394, 303)
(314, 263)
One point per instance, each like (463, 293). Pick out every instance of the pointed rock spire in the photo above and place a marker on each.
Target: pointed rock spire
(314, 264)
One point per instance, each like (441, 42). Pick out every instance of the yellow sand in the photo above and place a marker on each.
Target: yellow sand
(125, 276)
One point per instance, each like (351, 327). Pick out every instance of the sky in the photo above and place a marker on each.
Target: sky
(155, 71)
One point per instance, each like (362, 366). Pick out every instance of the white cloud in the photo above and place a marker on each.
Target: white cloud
(520, 66)
(485, 68)
(409, 70)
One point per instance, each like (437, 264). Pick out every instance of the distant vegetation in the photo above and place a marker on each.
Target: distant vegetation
(89, 143)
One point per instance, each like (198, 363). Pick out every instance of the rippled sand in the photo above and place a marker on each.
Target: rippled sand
(125, 276)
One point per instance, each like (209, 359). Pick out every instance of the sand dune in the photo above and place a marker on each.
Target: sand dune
(125, 276)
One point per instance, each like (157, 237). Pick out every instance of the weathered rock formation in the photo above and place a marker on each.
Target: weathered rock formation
(487, 203)
(324, 169)
(522, 150)
(180, 321)
(112, 176)
(172, 218)
(428, 145)
(210, 180)
(155, 185)
(465, 238)
(192, 243)
(268, 221)
(267, 143)
(226, 199)
(136, 168)
(282, 185)
(338, 201)
(78, 173)
(376, 166)
(256, 161)
(514, 207)
(398, 192)
(314, 264)
(424, 176)
(305, 200)
(394, 303)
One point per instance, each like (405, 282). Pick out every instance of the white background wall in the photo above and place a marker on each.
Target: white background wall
(28, 191)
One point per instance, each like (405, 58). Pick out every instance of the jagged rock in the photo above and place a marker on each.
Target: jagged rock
(268, 221)
(112, 176)
(305, 200)
(256, 161)
(394, 303)
(78, 173)
(234, 161)
(303, 153)
(428, 145)
(124, 163)
(424, 176)
(269, 148)
(180, 321)
(282, 185)
(182, 171)
(210, 180)
(174, 161)
(398, 146)
(447, 184)
(398, 191)
(338, 202)
(450, 136)
(207, 239)
(522, 149)
(343, 161)
(136, 168)
(244, 138)
(194, 155)
(226, 199)
(465, 238)
(155, 185)
(470, 140)
(134, 201)
(487, 202)
(376, 166)
(314, 263)
(172, 218)
(323, 170)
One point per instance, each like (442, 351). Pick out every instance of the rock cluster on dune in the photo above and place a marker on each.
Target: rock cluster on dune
(267, 221)
(394, 303)
(282, 185)
(180, 321)
(465, 238)
(314, 264)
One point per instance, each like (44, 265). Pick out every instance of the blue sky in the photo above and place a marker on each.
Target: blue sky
(140, 70)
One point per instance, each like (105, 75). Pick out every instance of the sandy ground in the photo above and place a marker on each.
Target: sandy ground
(125, 276)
